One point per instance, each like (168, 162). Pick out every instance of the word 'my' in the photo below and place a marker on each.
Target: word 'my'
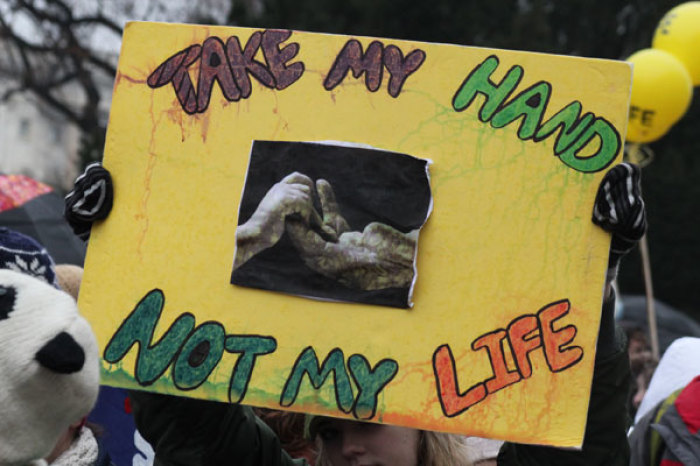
(372, 63)
(370, 381)
(575, 131)
(230, 66)
(523, 335)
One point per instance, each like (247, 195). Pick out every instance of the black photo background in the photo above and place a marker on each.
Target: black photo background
(370, 185)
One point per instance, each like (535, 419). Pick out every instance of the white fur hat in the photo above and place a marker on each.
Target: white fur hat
(678, 366)
(49, 369)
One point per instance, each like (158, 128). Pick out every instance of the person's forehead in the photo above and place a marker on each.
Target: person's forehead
(636, 342)
(337, 423)
(334, 422)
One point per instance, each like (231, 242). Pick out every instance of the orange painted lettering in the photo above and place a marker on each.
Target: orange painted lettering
(558, 356)
(501, 376)
(522, 342)
(452, 402)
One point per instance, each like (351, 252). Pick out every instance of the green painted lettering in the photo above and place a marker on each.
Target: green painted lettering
(370, 382)
(568, 118)
(575, 132)
(609, 146)
(307, 364)
(196, 353)
(479, 82)
(199, 356)
(529, 104)
(250, 347)
(153, 358)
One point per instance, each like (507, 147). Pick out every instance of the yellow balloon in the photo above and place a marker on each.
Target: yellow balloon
(640, 134)
(661, 94)
(678, 33)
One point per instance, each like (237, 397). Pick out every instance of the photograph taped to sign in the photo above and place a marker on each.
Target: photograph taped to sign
(508, 273)
(332, 222)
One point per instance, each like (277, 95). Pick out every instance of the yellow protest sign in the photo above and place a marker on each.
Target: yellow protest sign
(368, 228)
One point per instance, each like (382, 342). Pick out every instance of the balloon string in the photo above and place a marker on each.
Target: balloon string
(639, 154)
(642, 155)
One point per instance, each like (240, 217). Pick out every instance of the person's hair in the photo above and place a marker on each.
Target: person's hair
(289, 428)
(636, 333)
(440, 449)
(434, 449)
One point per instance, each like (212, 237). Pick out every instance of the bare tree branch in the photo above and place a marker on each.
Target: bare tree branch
(57, 56)
(50, 52)
(102, 21)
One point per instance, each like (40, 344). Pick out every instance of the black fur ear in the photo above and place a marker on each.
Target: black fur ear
(7, 301)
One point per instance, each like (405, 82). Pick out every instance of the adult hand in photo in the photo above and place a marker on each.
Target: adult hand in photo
(292, 197)
(329, 206)
(378, 257)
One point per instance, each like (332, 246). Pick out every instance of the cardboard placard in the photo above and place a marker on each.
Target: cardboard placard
(447, 275)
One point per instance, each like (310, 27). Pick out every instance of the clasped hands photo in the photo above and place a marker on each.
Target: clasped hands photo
(325, 221)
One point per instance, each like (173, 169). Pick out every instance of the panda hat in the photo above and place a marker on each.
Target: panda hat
(49, 369)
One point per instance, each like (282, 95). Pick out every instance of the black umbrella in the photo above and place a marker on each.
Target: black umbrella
(671, 322)
(34, 209)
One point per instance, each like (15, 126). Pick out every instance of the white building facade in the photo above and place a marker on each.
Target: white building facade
(37, 141)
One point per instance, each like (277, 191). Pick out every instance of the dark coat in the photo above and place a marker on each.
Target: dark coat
(189, 432)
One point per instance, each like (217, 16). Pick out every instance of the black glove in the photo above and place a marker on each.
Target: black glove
(619, 209)
(90, 200)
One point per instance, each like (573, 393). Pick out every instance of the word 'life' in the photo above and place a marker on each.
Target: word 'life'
(523, 335)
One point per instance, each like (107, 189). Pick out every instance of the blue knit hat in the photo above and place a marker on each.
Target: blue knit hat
(23, 254)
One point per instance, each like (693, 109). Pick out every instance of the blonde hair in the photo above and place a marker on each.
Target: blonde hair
(434, 449)
(69, 277)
